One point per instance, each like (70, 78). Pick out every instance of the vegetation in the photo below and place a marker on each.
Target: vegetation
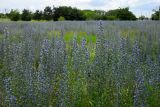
(77, 63)
(90, 15)
(61, 18)
(80, 64)
(14, 15)
(26, 15)
(70, 13)
(143, 18)
(121, 14)
(125, 14)
(156, 15)
(38, 15)
(48, 14)
(2, 15)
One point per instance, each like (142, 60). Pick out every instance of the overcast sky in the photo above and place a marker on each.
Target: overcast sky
(138, 7)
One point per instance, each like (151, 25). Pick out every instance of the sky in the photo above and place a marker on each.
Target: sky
(138, 7)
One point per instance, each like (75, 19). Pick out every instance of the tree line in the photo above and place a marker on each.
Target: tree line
(69, 13)
(49, 13)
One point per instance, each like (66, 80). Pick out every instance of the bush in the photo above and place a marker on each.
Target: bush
(14, 15)
(109, 18)
(68, 13)
(61, 18)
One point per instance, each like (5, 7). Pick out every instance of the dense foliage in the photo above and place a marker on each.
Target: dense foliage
(156, 15)
(70, 13)
(125, 14)
(120, 14)
(26, 15)
(80, 64)
(14, 15)
(38, 15)
(61, 18)
(48, 13)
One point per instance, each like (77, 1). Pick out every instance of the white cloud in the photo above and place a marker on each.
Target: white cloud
(135, 5)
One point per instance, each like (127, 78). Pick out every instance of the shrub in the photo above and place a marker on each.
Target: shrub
(14, 15)
(61, 18)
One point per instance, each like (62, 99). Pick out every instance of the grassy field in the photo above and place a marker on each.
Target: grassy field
(80, 64)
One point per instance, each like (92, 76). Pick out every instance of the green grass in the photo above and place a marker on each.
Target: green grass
(4, 20)
(69, 36)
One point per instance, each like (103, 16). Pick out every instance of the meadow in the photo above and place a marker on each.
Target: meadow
(80, 64)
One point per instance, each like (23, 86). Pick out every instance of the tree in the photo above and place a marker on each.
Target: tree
(89, 14)
(48, 13)
(14, 15)
(38, 15)
(77, 14)
(156, 15)
(143, 18)
(26, 15)
(121, 14)
(125, 14)
(68, 13)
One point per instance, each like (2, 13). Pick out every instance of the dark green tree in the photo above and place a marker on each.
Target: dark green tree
(121, 14)
(68, 13)
(48, 13)
(156, 15)
(26, 15)
(38, 15)
(14, 15)
(125, 14)
(77, 14)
